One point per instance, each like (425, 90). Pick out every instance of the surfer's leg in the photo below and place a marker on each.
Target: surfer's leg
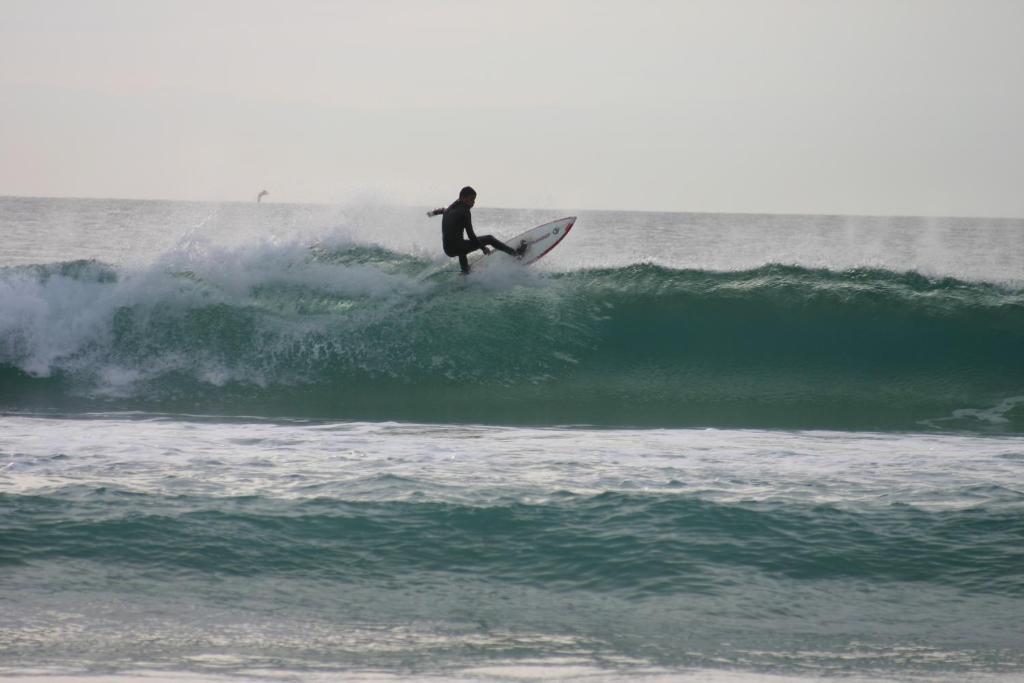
(491, 241)
(460, 249)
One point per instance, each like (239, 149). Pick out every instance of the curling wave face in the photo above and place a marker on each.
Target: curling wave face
(360, 332)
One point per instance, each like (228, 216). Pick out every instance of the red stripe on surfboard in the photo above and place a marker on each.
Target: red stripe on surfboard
(564, 233)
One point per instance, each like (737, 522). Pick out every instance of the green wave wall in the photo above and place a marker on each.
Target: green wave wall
(357, 334)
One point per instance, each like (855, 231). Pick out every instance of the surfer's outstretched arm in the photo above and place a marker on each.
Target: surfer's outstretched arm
(435, 212)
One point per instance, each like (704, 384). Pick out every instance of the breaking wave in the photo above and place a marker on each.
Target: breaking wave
(359, 332)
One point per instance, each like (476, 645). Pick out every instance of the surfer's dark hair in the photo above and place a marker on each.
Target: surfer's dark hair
(467, 191)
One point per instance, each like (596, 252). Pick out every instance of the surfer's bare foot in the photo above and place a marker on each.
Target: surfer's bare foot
(521, 249)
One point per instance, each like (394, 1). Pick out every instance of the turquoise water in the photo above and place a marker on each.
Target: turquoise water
(774, 347)
(243, 441)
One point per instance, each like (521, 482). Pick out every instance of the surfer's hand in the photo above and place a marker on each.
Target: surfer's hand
(435, 212)
(485, 250)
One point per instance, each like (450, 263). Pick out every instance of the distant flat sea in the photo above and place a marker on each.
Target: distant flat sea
(289, 442)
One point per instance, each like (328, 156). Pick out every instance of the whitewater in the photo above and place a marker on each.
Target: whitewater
(290, 442)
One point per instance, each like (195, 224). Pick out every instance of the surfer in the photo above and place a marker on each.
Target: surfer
(458, 220)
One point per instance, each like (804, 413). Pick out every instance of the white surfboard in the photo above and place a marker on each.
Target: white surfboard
(539, 241)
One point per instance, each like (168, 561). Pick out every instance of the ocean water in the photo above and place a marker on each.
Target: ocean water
(287, 442)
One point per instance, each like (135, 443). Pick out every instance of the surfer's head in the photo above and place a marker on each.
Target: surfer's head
(468, 195)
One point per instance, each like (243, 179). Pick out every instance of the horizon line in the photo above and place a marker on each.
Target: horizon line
(536, 208)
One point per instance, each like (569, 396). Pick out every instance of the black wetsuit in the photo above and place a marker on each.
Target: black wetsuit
(458, 219)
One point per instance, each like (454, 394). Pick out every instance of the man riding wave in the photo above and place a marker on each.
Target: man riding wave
(457, 220)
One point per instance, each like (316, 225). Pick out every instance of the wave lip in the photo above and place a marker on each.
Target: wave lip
(358, 332)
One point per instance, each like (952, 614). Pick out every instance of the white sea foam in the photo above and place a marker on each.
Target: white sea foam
(60, 319)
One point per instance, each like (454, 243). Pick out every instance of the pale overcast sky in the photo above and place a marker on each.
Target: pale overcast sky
(793, 106)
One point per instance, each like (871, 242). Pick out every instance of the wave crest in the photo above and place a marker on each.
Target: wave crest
(356, 331)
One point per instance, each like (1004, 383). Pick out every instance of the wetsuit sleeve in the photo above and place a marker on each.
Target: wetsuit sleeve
(469, 231)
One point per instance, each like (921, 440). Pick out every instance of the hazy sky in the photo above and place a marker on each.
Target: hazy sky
(816, 106)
